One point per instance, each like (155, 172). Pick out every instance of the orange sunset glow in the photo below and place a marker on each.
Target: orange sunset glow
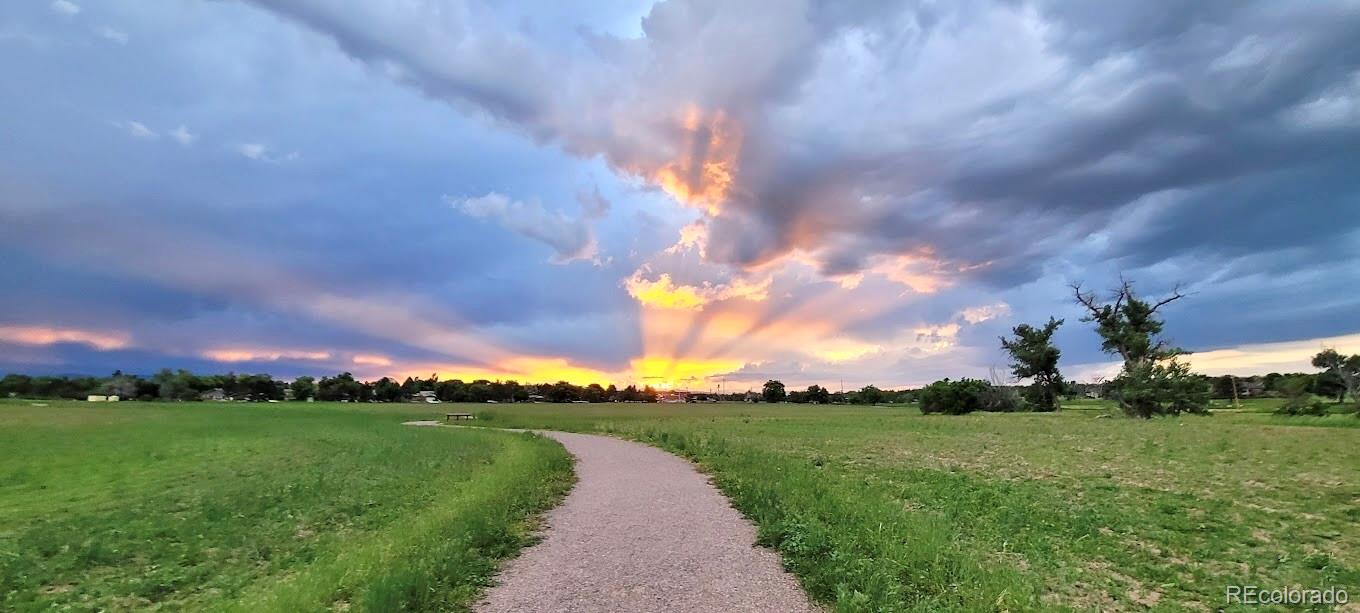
(702, 173)
(44, 335)
(668, 195)
(679, 305)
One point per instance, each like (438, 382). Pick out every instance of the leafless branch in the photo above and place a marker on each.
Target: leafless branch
(1086, 299)
(1175, 295)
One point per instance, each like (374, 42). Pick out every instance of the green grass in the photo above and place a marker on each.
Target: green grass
(334, 506)
(883, 509)
(259, 507)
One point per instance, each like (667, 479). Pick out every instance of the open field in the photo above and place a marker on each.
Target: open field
(257, 507)
(881, 508)
(293, 506)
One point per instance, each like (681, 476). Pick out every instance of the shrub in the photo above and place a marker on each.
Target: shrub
(955, 397)
(1307, 407)
(1160, 388)
(1299, 400)
(1000, 399)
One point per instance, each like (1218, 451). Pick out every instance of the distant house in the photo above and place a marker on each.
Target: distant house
(1089, 390)
(214, 395)
(425, 396)
(94, 398)
(1251, 388)
(751, 397)
(535, 397)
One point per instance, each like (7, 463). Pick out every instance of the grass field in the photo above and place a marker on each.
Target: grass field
(305, 507)
(258, 507)
(881, 508)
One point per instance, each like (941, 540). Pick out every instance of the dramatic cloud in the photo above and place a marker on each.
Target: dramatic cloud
(664, 293)
(809, 190)
(570, 239)
(1077, 124)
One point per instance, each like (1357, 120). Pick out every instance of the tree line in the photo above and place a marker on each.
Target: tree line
(183, 385)
(1152, 380)
(775, 391)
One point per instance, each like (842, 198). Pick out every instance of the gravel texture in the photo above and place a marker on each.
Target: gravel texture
(643, 531)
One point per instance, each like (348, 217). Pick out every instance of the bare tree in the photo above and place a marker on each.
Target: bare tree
(1129, 325)
(1152, 381)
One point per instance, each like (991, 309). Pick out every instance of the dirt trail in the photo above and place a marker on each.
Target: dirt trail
(643, 531)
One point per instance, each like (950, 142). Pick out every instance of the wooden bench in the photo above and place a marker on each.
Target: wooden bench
(456, 416)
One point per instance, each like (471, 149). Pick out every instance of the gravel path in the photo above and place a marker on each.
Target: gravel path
(643, 531)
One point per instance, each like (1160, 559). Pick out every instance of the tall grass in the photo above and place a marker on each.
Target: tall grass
(883, 509)
(195, 506)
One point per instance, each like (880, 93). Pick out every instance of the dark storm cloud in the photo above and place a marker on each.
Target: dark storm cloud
(188, 244)
(991, 138)
(1197, 100)
(456, 53)
(1095, 112)
(217, 163)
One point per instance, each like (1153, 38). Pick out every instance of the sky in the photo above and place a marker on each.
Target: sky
(682, 194)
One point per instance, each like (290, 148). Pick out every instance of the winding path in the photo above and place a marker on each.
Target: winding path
(643, 531)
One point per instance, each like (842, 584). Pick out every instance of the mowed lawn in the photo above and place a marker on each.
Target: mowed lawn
(283, 507)
(884, 509)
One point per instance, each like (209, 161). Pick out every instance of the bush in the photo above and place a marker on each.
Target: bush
(1314, 408)
(1039, 399)
(1160, 388)
(1000, 399)
(1299, 400)
(957, 397)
